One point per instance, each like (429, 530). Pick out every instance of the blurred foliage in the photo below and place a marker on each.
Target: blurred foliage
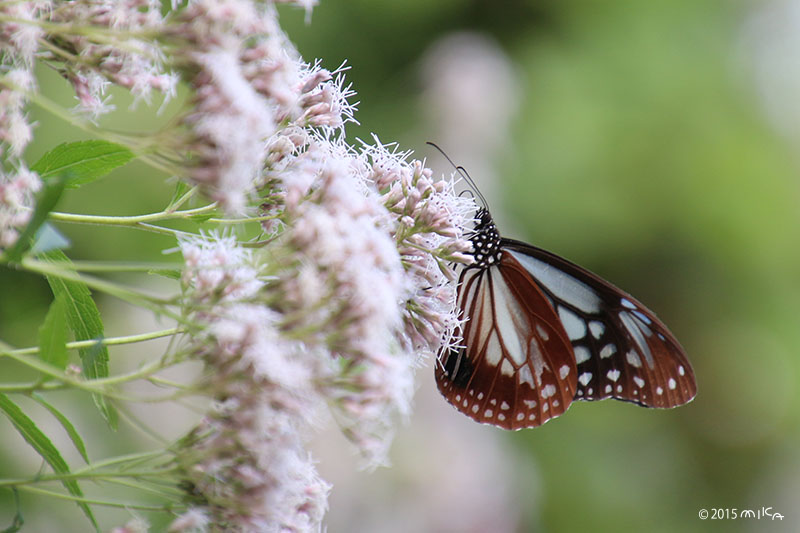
(640, 152)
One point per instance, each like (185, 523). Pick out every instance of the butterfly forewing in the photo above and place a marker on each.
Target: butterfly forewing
(516, 368)
(622, 350)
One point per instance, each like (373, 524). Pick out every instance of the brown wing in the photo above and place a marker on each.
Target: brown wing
(622, 350)
(516, 368)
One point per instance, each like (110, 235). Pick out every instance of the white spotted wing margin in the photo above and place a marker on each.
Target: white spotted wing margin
(621, 349)
(516, 368)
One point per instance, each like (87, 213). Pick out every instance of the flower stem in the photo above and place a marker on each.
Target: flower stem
(123, 505)
(130, 220)
(109, 341)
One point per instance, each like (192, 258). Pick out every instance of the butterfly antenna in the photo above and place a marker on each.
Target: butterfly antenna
(463, 173)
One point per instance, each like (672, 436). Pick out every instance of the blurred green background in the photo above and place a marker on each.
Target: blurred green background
(651, 142)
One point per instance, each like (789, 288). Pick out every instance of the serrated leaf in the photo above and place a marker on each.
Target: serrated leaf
(45, 202)
(39, 442)
(53, 335)
(48, 238)
(66, 424)
(83, 318)
(86, 161)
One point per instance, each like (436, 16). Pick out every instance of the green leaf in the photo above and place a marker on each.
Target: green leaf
(66, 424)
(53, 335)
(45, 202)
(180, 189)
(83, 318)
(86, 161)
(39, 442)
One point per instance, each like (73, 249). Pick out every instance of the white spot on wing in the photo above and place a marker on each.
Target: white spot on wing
(681, 370)
(507, 369)
(613, 375)
(608, 350)
(488, 413)
(585, 378)
(639, 381)
(633, 359)
(564, 371)
(608, 389)
(641, 316)
(542, 332)
(530, 404)
(627, 303)
(573, 324)
(582, 354)
(504, 406)
(524, 375)
(597, 328)
(561, 284)
(671, 383)
(635, 330)
(548, 391)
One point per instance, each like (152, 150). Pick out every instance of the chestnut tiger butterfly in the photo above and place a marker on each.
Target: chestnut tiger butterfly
(540, 332)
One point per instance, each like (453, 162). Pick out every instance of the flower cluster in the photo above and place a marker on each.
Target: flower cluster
(249, 83)
(17, 191)
(130, 60)
(92, 43)
(429, 221)
(354, 285)
(247, 457)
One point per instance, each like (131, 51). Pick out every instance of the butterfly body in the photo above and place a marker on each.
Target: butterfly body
(540, 332)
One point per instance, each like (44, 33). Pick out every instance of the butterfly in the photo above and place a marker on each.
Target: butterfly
(540, 332)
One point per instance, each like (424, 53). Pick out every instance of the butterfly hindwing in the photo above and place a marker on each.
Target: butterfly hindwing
(516, 368)
(622, 350)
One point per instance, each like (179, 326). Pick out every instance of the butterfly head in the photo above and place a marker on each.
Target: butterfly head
(485, 240)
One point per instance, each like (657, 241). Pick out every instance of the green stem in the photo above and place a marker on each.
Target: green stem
(242, 220)
(124, 266)
(153, 303)
(129, 220)
(84, 475)
(62, 496)
(108, 341)
(56, 373)
(134, 458)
